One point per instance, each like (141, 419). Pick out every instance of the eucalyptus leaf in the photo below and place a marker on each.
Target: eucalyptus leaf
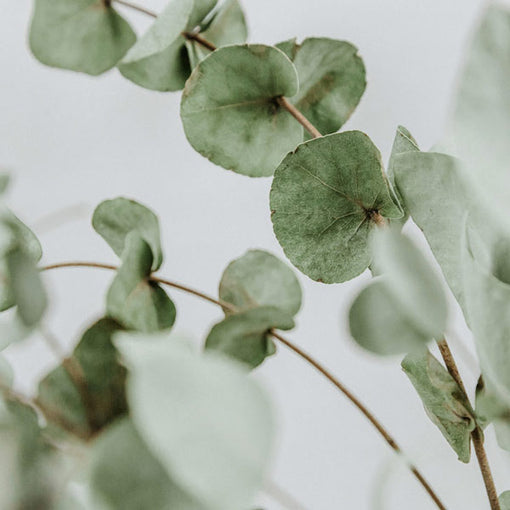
(127, 485)
(230, 111)
(402, 143)
(95, 396)
(133, 299)
(479, 130)
(380, 324)
(209, 425)
(504, 500)
(81, 35)
(200, 12)
(158, 60)
(228, 26)
(331, 81)
(325, 199)
(445, 403)
(438, 194)
(258, 278)
(245, 336)
(114, 219)
(6, 372)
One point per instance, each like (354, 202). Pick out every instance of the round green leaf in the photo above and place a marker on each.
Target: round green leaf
(114, 219)
(504, 500)
(158, 60)
(6, 372)
(81, 35)
(331, 81)
(260, 279)
(209, 424)
(230, 113)
(379, 324)
(244, 336)
(324, 198)
(133, 300)
(201, 9)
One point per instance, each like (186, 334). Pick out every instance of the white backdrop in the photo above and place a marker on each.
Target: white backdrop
(70, 139)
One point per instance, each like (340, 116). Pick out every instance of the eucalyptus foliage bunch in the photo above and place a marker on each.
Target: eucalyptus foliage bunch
(199, 428)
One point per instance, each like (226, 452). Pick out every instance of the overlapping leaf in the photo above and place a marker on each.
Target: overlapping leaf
(207, 423)
(123, 484)
(406, 307)
(228, 26)
(244, 336)
(504, 500)
(133, 299)
(445, 403)
(258, 278)
(230, 112)
(87, 393)
(325, 199)
(81, 35)
(331, 80)
(114, 219)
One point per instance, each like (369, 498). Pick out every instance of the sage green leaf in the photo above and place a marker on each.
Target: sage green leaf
(412, 281)
(202, 417)
(403, 142)
(488, 305)
(81, 35)
(504, 500)
(201, 10)
(114, 219)
(258, 278)
(228, 26)
(445, 403)
(244, 336)
(133, 300)
(325, 198)
(438, 194)
(6, 372)
(379, 323)
(480, 126)
(27, 289)
(158, 60)
(230, 113)
(331, 81)
(5, 179)
(95, 396)
(126, 485)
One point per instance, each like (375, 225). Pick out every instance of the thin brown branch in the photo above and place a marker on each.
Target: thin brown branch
(477, 434)
(328, 375)
(287, 105)
(364, 410)
(195, 36)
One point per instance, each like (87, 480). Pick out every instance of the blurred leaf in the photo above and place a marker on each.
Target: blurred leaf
(324, 198)
(380, 324)
(228, 26)
(201, 10)
(244, 336)
(114, 219)
(230, 113)
(101, 397)
(81, 35)
(438, 195)
(258, 278)
(127, 485)
(6, 372)
(208, 424)
(402, 143)
(133, 300)
(158, 60)
(445, 403)
(479, 130)
(488, 304)
(504, 500)
(331, 81)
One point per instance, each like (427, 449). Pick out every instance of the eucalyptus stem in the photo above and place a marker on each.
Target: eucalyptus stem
(195, 36)
(294, 348)
(476, 435)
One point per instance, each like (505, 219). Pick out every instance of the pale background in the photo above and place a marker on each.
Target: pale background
(70, 139)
